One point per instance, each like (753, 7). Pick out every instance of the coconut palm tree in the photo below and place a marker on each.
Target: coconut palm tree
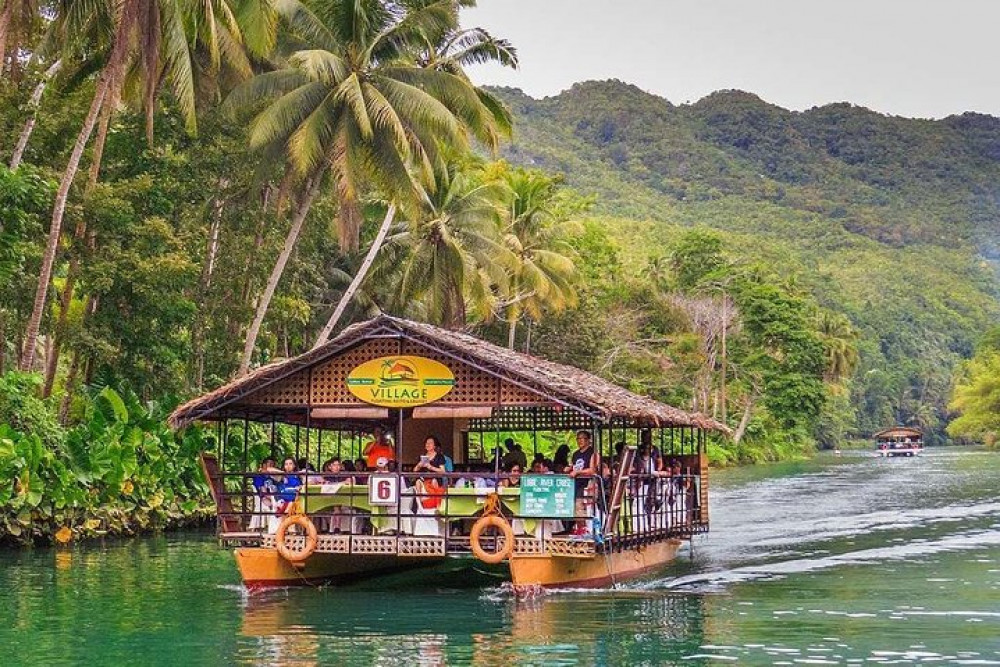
(452, 256)
(352, 102)
(153, 41)
(840, 343)
(544, 273)
(448, 51)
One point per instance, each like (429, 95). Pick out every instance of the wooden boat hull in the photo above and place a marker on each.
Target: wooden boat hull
(264, 568)
(909, 451)
(550, 571)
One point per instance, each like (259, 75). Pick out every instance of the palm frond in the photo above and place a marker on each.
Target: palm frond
(310, 143)
(320, 65)
(281, 119)
(266, 85)
(350, 94)
(304, 23)
(177, 61)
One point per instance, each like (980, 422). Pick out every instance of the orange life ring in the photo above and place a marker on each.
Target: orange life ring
(312, 538)
(500, 523)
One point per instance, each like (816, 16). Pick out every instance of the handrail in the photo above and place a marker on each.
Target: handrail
(652, 506)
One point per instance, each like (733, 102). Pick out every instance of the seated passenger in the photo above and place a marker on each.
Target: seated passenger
(514, 478)
(432, 460)
(288, 488)
(265, 486)
(338, 472)
(311, 477)
(361, 466)
(379, 447)
(382, 465)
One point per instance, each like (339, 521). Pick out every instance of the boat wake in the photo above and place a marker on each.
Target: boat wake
(716, 581)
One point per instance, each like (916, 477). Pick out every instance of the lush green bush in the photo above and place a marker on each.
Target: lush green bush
(119, 471)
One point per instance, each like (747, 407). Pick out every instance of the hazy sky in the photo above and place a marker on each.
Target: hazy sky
(916, 58)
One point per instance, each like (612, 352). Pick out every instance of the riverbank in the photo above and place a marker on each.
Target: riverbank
(118, 471)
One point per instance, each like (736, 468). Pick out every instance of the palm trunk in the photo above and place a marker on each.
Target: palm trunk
(52, 362)
(99, 142)
(66, 298)
(104, 85)
(206, 284)
(34, 103)
(8, 12)
(67, 400)
(55, 228)
(511, 331)
(258, 241)
(744, 422)
(455, 316)
(359, 277)
(312, 189)
(74, 367)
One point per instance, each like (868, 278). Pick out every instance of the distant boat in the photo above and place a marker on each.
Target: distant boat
(899, 441)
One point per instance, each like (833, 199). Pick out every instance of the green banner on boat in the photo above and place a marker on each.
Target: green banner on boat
(548, 496)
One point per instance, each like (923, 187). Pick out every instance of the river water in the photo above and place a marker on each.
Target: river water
(833, 561)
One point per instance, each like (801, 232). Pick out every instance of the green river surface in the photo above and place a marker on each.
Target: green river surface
(832, 561)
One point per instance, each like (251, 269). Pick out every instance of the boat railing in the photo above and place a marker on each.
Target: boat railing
(442, 507)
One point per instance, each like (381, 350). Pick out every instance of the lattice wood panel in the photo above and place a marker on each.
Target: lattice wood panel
(473, 386)
(574, 548)
(421, 546)
(373, 544)
(293, 390)
(329, 385)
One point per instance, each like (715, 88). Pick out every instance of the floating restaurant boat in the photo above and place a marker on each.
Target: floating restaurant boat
(899, 441)
(415, 380)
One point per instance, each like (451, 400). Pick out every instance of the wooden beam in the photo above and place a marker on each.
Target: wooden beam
(441, 412)
(350, 413)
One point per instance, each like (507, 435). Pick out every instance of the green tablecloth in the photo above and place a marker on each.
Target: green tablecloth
(456, 504)
(467, 501)
(354, 496)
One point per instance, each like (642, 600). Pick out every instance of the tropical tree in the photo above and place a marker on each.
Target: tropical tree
(453, 256)
(977, 400)
(153, 43)
(352, 100)
(18, 21)
(537, 233)
(840, 346)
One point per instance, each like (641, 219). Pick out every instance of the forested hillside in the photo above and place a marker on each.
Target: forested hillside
(892, 222)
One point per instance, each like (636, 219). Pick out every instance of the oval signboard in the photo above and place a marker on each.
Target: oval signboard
(400, 381)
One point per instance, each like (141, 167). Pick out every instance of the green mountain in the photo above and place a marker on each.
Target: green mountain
(894, 222)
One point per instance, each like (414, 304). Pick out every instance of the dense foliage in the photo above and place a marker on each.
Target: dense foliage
(977, 394)
(119, 470)
(258, 178)
(888, 222)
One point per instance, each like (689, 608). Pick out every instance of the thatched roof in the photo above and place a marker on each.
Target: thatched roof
(557, 383)
(899, 432)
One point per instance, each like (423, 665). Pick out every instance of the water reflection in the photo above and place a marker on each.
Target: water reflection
(403, 628)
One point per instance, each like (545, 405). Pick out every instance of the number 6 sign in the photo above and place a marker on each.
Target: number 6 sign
(383, 489)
